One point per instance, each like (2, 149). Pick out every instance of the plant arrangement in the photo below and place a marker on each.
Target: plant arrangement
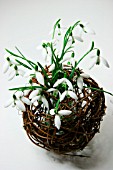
(62, 106)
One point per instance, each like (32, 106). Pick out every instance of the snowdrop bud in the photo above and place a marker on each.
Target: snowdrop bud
(6, 67)
(26, 100)
(80, 82)
(34, 93)
(52, 112)
(51, 68)
(64, 112)
(57, 121)
(40, 78)
(20, 105)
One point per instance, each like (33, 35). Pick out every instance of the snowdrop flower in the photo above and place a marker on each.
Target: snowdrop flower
(19, 101)
(57, 120)
(80, 80)
(70, 93)
(97, 60)
(37, 74)
(35, 95)
(55, 91)
(86, 28)
(8, 62)
(64, 80)
(52, 67)
(16, 71)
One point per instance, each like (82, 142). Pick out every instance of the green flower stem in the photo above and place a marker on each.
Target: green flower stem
(101, 90)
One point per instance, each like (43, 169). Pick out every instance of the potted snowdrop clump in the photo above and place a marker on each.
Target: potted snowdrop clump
(61, 106)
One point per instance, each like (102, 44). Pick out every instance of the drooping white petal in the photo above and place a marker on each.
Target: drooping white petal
(19, 94)
(89, 30)
(64, 112)
(59, 81)
(51, 89)
(34, 93)
(105, 62)
(52, 112)
(26, 100)
(34, 99)
(40, 78)
(80, 82)
(20, 105)
(9, 103)
(21, 72)
(84, 75)
(26, 92)
(51, 68)
(70, 86)
(45, 102)
(63, 95)
(6, 67)
(78, 38)
(12, 75)
(57, 121)
(72, 95)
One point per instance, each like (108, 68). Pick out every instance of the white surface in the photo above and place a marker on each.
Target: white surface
(24, 24)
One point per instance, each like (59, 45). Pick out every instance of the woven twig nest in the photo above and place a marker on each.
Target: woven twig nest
(77, 129)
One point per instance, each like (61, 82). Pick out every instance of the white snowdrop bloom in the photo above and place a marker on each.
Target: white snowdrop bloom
(57, 120)
(35, 98)
(40, 78)
(51, 68)
(87, 28)
(40, 98)
(34, 93)
(26, 92)
(64, 112)
(45, 102)
(26, 100)
(54, 90)
(16, 71)
(80, 80)
(64, 80)
(8, 62)
(97, 60)
(70, 93)
(20, 105)
(79, 38)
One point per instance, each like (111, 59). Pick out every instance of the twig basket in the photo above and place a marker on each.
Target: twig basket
(76, 130)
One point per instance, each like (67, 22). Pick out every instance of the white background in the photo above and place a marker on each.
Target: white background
(24, 24)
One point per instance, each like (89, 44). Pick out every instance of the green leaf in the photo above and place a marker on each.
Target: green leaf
(13, 54)
(27, 88)
(23, 64)
(98, 52)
